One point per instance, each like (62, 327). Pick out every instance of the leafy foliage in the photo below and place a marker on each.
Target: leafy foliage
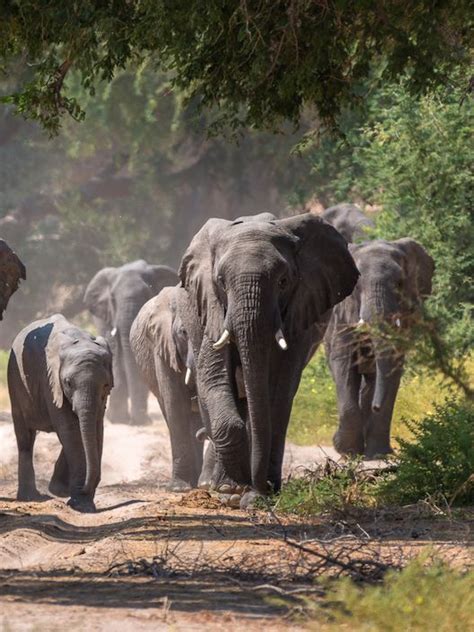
(405, 600)
(439, 462)
(329, 488)
(412, 158)
(259, 62)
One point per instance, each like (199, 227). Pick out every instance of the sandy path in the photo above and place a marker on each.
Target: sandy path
(212, 565)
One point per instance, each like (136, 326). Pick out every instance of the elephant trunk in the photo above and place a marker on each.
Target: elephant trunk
(87, 409)
(252, 321)
(376, 311)
(135, 385)
(384, 368)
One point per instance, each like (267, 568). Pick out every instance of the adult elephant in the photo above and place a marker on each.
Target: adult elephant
(114, 297)
(12, 271)
(349, 220)
(165, 357)
(395, 280)
(260, 293)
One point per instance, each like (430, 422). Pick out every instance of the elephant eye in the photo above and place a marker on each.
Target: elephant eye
(68, 382)
(220, 280)
(283, 282)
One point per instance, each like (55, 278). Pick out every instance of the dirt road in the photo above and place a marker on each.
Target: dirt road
(149, 558)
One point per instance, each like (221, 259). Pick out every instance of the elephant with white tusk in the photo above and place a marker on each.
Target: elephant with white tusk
(164, 355)
(395, 280)
(114, 297)
(260, 293)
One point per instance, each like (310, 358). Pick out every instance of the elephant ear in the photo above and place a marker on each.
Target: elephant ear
(327, 272)
(196, 275)
(152, 332)
(158, 277)
(11, 266)
(98, 295)
(54, 351)
(419, 269)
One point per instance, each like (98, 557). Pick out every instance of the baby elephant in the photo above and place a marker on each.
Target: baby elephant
(59, 378)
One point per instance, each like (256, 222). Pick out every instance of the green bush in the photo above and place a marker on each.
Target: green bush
(314, 415)
(439, 461)
(405, 600)
(328, 488)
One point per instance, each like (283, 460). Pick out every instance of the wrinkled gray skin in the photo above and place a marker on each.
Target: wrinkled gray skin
(395, 279)
(349, 220)
(114, 297)
(11, 271)
(59, 378)
(164, 355)
(253, 277)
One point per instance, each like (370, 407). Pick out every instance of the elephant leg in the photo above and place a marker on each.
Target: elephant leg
(349, 437)
(26, 474)
(208, 465)
(227, 427)
(71, 440)
(59, 484)
(117, 410)
(139, 403)
(174, 399)
(285, 379)
(365, 399)
(377, 439)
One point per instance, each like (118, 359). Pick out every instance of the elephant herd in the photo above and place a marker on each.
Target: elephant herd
(222, 345)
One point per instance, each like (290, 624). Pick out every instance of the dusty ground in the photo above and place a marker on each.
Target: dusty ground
(152, 559)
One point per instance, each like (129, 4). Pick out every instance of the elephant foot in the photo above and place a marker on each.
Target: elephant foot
(348, 444)
(250, 500)
(81, 504)
(376, 453)
(58, 488)
(229, 487)
(32, 495)
(178, 485)
(204, 483)
(118, 419)
(141, 420)
(230, 500)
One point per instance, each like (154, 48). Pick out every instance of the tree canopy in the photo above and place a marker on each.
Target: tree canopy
(258, 62)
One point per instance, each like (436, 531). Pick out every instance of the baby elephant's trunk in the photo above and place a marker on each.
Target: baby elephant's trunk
(87, 412)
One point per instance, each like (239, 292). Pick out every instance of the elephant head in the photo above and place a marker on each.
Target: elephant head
(113, 294)
(258, 284)
(395, 279)
(349, 220)
(160, 322)
(11, 271)
(80, 376)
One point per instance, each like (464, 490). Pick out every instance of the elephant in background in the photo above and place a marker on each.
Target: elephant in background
(395, 280)
(165, 356)
(59, 378)
(12, 271)
(260, 294)
(114, 297)
(349, 220)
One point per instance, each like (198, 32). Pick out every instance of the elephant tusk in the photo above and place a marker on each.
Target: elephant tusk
(360, 323)
(398, 323)
(113, 333)
(281, 340)
(187, 379)
(223, 340)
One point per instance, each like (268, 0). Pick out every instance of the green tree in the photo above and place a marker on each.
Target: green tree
(412, 157)
(259, 61)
